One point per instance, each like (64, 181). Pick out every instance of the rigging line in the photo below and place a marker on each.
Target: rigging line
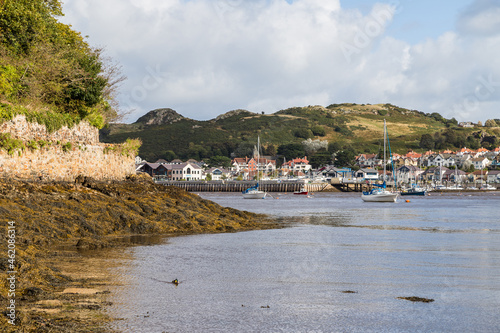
(392, 163)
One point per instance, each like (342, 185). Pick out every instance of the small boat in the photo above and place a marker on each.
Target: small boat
(253, 193)
(487, 187)
(379, 195)
(414, 191)
(302, 191)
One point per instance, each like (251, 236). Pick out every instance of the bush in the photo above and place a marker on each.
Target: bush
(130, 147)
(318, 130)
(303, 133)
(67, 147)
(33, 145)
(9, 144)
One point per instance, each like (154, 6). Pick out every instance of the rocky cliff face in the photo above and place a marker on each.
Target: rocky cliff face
(160, 117)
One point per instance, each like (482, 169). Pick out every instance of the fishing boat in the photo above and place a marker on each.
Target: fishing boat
(380, 192)
(254, 192)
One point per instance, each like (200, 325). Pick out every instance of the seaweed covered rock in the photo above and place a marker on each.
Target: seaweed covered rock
(84, 214)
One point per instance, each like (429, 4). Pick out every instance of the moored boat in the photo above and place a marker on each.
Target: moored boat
(381, 194)
(302, 191)
(413, 191)
(254, 192)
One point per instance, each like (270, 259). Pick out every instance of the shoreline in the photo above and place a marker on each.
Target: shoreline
(56, 222)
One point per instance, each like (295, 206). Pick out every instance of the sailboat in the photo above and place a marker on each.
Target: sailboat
(380, 193)
(254, 192)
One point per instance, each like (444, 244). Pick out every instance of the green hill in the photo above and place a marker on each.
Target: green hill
(166, 134)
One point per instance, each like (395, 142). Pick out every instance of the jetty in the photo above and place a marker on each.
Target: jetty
(239, 186)
(267, 185)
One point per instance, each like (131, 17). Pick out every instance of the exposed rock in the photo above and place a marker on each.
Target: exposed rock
(234, 113)
(87, 214)
(417, 299)
(160, 117)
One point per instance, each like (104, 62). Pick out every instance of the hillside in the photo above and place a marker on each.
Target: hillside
(358, 127)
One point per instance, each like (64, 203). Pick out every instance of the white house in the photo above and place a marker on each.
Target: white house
(368, 160)
(186, 171)
(480, 163)
(367, 174)
(441, 160)
(218, 173)
(298, 166)
(493, 176)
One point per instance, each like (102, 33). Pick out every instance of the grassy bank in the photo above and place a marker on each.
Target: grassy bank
(88, 215)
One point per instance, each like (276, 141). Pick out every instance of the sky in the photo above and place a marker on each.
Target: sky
(203, 58)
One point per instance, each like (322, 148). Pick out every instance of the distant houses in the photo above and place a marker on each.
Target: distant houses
(463, 158)
(162, 169)
(429, 167)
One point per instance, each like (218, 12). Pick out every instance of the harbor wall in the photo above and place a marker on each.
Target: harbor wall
(29, 151)
(240, 186)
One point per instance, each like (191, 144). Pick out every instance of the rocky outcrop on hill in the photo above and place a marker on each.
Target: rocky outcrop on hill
(234, 113)
(160, 117)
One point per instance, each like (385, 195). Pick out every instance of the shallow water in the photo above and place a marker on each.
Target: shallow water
(443, 247)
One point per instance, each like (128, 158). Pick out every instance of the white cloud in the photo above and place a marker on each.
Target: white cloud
(206, 57)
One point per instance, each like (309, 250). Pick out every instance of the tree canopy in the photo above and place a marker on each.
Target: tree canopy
(47, 65)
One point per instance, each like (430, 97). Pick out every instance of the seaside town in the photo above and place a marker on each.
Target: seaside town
(118, 219)
(467, 167)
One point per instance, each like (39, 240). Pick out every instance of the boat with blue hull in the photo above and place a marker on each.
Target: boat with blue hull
(414, 190)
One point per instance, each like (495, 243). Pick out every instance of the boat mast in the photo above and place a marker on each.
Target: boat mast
(385, 139)
(258, 158)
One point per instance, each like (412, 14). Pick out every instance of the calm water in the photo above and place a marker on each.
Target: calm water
(294, 279)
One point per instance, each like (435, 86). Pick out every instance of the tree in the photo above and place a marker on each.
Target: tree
(169, 155)
(312, 146)
(51, 66)
(320, 159)
(345, 158)
(318, 130)
(303, 133)
(219, 161)
(334, 147)
(490, 123)
(270, 150)
(291, 150)
(426, 142)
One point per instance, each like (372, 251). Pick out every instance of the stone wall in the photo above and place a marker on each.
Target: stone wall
(86, 157)
(52, 163)
(19, 128)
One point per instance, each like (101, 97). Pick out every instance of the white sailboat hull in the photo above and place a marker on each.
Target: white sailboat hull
(380, 197)
(254, 194)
